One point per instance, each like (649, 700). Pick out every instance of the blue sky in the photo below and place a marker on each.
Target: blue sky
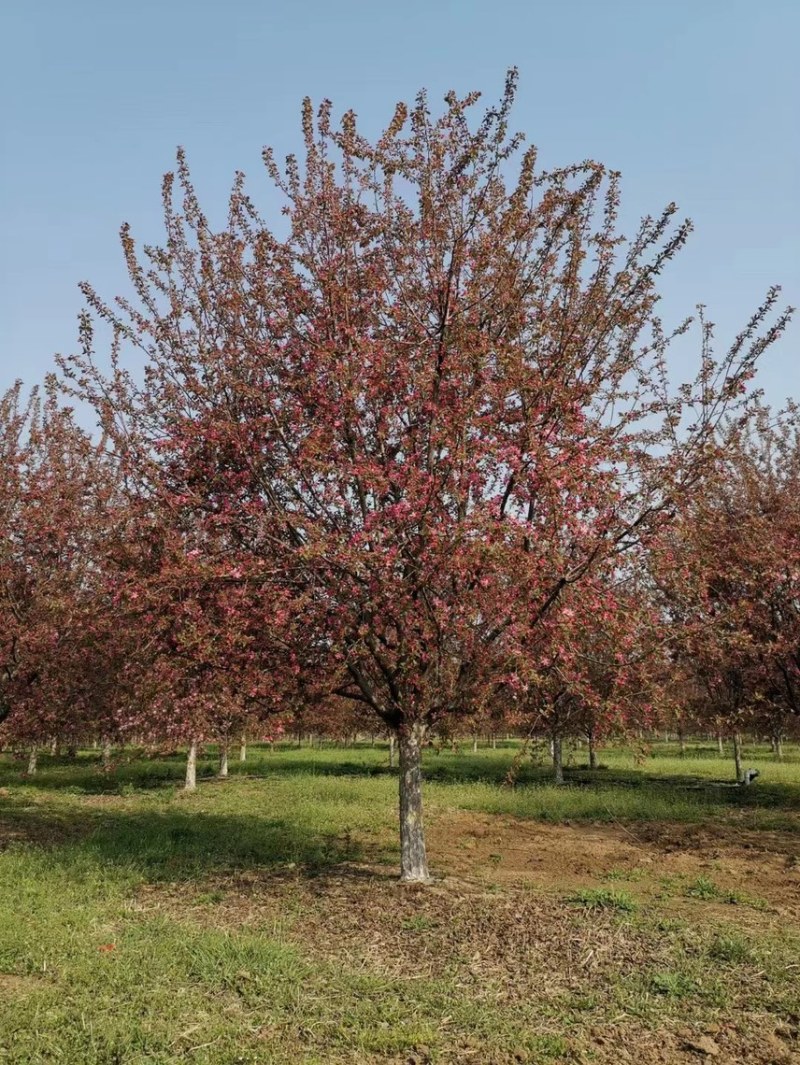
(694, 100)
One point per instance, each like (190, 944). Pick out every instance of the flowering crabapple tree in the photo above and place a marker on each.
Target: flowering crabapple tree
(57, 491)
(729, 572)
(595, 669)
(422, 408)
(201, 671)
(13, 420)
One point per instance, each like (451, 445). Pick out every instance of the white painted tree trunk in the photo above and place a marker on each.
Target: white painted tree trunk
(223, 758)
(474, 744)
(32, 762)
(737, 757)
(191, 768)
(392, 744)
(592, 753)
(720, 745)
(243, 749)
(558, 760)
(107, 753)
(413, 859)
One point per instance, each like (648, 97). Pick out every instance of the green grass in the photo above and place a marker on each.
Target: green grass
(706, 889)
(672, 984)
(730, 947)
(600, 899)
(258, 920)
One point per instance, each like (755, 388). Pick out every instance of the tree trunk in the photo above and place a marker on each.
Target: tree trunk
(474, 744)
(592, 752)
(243, 749)
(737, 757)
(558, 760)
(32, 762)
(392, 742)
(191, 768)
(682, 743)
(54, 746)
(223, 759)
(106, 755)
(494, 742)
(413, 859)
(779, 748)
(720, 745)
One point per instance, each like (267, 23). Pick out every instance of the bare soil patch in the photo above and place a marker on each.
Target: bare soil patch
(12, 984)
(558, 858)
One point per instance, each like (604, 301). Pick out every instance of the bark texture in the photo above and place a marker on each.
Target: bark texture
(737, 757)
(191, 768)
(592, 753)
(413, 858)
(558, 760)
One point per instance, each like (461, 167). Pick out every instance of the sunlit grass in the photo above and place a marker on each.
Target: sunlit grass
(119, 941)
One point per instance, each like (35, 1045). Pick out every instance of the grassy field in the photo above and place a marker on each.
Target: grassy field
(647, 911)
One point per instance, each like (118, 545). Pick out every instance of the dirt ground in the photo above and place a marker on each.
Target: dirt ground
(765, 865)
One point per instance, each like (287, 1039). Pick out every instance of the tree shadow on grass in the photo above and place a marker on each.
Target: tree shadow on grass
(180, 843)
(85, 775)
(487, 769)
(465, 769)
(132, 774)
(761, 795)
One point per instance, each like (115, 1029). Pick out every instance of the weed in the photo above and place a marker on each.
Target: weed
(209, 898)
(417, 923)
(672, 984)
(601, 899)
(730, 948)
(631, 875)
(703, 888)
